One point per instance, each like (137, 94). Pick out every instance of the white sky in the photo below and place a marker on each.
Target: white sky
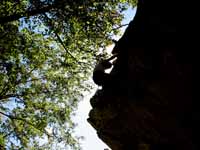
(91, 141)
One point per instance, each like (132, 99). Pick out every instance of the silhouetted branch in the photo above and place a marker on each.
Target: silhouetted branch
(8, 116)
(6, 135)
(123, 25)
(61, 42)
(17, 118)
(9, 96)
(16, 16)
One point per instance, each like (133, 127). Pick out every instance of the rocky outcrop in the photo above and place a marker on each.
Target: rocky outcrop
(150, 107)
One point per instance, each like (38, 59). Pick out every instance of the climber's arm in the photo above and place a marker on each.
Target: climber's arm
(99, 75)
(112, 57)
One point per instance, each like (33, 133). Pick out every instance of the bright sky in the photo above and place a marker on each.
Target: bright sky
(91, 141)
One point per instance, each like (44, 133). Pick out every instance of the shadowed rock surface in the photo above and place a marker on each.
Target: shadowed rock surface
(151, 107)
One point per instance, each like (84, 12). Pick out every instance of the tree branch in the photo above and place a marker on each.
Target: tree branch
(17, 16)
(8, 116)
(9, 96)
(21, 119)
(123, 25)
(31, 80)
(61, 42)
(24, 120)
(17, 95)
(8, 134)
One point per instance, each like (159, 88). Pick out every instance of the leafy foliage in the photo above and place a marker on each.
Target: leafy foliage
(47, 50)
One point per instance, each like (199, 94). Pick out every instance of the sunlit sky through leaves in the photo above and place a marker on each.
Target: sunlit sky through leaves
(91, 141)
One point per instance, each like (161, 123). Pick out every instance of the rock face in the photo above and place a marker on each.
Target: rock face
(150, 106)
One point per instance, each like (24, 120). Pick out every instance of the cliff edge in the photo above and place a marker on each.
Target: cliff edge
(150, 107)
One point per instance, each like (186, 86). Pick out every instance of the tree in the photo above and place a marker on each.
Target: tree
(47, 50)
